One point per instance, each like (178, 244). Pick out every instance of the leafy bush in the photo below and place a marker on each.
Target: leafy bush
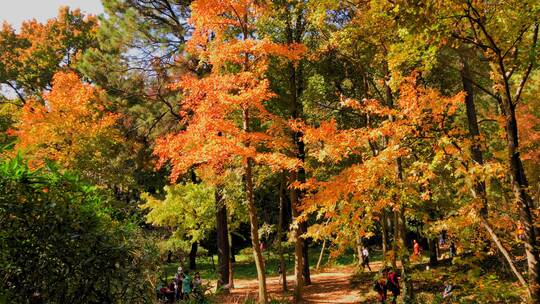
(59, 245)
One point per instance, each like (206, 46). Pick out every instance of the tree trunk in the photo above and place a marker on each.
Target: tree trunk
(401, 230)
(504, 252)
(222, 240)
(282, 266)
(390, 104)
(523, 199)
(518, 179)
(231, 263)
(298, 244)
(384, 227)
(253, 220)
(476, 152)
(305, 256)
(395, 240)
(294, 35)
(359, 251)
(193, 256)
(321, 254)
(433, 252)
(474, 132)
(404, 257)
(231, 274)
(254, 225)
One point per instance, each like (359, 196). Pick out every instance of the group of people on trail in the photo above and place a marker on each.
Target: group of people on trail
(182, 286)
(387, 282)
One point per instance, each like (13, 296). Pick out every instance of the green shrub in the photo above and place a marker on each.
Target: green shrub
(59, 245)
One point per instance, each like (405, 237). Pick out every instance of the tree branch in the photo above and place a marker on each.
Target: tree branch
(21, 97)
(505, 253)
(529, 67)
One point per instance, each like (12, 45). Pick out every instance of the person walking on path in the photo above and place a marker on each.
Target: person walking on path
(365, 258)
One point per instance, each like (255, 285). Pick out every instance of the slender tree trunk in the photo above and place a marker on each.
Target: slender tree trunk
(298, 244)
(321, 254)
(305, 255)
(231, 274)
(231, 261)
(400, 236)
(301, 177)
(282, 266)
(401, 230)
(518, 178)
(222, 239)
(519, 186)
(432, 243)
(359, 251)
(404, 257)
(253, 220)
(395, 231)
(254, 225)
(474, 132)
(433, 252)
(504, 252)
(294, 35)
(193, 256)
(384, 227)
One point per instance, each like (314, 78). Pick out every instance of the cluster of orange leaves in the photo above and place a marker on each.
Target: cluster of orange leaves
(66, 123)
(363, 188)
(31, 56)
(529, 126)
(212, 107)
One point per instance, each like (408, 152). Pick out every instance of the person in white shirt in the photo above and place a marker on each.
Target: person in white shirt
(365, 258)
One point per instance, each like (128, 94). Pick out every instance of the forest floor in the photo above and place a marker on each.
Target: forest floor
(336, 284)
(476, 278)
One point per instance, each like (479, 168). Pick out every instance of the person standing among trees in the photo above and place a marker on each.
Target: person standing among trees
(452, 249)
(178, 278)
(186, 285)
(365, 258)
(416, 250)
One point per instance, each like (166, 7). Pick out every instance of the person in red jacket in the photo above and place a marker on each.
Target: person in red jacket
(392, 284)
(416, 250)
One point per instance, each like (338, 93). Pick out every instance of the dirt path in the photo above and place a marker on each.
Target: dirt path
(331, 285)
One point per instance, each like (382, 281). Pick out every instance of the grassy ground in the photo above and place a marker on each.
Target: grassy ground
(244, 268)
